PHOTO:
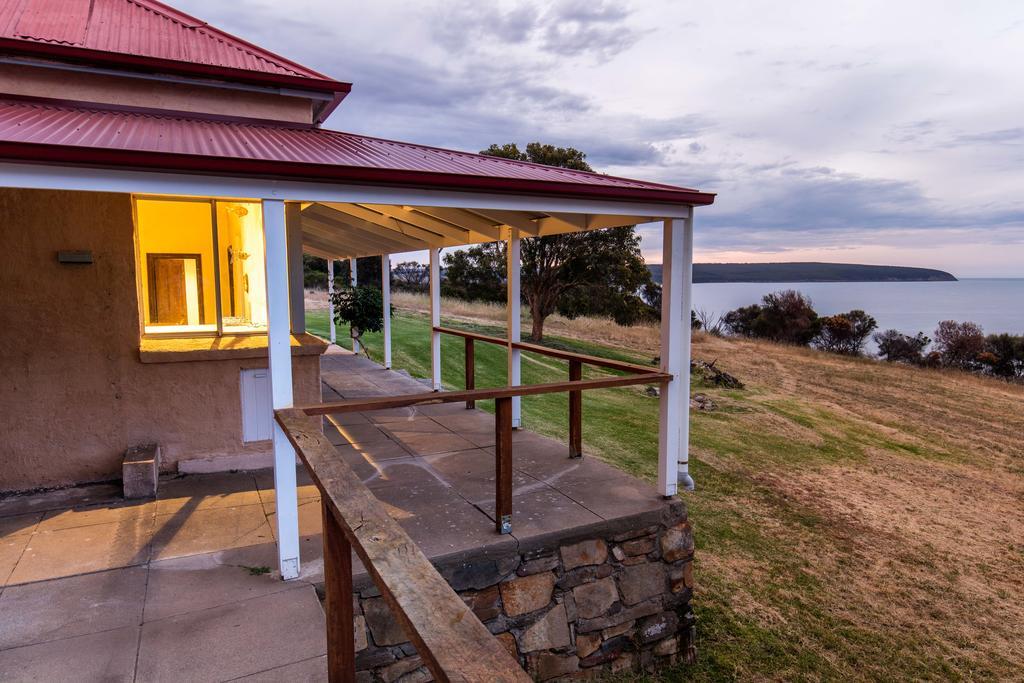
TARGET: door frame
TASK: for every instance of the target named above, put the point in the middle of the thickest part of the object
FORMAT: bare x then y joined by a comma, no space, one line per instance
151,259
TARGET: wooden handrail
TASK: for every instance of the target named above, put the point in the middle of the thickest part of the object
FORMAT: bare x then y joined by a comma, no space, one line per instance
622,366
355,405
472,335
453,643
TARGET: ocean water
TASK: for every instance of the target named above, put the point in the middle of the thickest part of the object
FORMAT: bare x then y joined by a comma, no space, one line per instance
910,307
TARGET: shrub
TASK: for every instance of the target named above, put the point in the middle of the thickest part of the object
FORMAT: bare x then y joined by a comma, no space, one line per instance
1003,355
786,317
362,307
845,333
896,347
959,344
741,321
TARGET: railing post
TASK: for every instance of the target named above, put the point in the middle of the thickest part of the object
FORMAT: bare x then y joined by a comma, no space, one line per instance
470,370
503,464
341,649
575,411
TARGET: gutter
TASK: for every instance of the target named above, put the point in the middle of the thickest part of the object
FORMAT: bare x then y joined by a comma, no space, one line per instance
326,173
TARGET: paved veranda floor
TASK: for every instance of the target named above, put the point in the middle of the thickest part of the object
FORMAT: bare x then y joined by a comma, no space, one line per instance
185,587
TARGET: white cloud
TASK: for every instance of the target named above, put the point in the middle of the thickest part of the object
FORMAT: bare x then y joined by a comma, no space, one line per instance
823,126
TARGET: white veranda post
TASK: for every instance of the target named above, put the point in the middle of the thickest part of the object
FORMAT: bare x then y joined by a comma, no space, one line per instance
676,303
385,291
280,355
435,318
353,281
514,355
330,299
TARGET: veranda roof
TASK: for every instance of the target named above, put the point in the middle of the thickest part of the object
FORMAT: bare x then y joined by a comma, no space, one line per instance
48,131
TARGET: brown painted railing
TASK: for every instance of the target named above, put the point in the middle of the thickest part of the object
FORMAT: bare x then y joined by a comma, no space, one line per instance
576,363
453,643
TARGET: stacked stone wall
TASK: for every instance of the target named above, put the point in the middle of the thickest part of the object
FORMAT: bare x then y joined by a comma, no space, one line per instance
575,607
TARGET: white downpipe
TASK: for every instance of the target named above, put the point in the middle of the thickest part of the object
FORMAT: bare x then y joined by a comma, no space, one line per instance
275,243
674,404
353,281
385,290
435,318
686,342
330,299
514,323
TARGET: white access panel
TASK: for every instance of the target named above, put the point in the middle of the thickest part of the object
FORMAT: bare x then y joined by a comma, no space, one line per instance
257,416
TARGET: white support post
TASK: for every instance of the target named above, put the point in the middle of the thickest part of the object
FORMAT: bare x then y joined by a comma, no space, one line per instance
676,302
435,318
385,291
330,299
514,324
353,281
280,356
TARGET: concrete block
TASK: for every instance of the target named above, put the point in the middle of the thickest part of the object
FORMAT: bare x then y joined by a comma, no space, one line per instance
141,470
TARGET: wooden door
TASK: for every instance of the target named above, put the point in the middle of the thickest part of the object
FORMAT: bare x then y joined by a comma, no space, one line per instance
168,293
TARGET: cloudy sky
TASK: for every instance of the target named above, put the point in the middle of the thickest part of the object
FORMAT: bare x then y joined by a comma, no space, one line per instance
875,132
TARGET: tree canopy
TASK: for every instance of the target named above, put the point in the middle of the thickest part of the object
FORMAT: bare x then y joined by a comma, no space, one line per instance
597,273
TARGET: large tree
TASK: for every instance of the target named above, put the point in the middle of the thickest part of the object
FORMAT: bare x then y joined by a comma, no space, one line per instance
584,273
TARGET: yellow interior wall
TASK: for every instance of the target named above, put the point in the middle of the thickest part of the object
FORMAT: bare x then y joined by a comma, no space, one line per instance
171,227
240,225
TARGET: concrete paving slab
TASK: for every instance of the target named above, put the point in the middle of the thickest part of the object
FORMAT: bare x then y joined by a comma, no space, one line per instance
452,528
307,490
19,525
426,443
190,532
543,511
311,670
107,656
354,434
75,606
99,514
419,424
234,640
95,494
196,582
11,549
195,492
616,497
310,517
79,550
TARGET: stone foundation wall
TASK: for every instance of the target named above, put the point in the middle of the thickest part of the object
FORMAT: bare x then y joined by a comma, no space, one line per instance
578,605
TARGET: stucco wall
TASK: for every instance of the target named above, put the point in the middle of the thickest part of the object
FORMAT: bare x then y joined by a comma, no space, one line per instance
73,391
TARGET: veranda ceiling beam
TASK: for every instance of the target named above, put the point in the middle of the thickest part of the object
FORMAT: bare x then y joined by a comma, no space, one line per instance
370,217
391,238
379,241
462,218
513,219
411,217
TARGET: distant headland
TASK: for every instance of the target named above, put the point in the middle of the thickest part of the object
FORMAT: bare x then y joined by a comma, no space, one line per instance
808,272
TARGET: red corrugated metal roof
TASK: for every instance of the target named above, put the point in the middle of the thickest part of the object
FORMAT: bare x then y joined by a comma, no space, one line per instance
47,132
144,33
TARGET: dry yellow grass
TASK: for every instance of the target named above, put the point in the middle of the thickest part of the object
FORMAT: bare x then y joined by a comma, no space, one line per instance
855,519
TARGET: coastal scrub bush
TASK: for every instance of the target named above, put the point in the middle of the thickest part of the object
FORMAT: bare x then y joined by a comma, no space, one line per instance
845,333
896,347
959,344
787,317
1003,356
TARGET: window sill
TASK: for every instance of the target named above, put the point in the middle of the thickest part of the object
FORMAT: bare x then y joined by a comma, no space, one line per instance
183,349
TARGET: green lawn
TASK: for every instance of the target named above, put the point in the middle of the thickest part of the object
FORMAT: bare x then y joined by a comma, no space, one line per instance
620,425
